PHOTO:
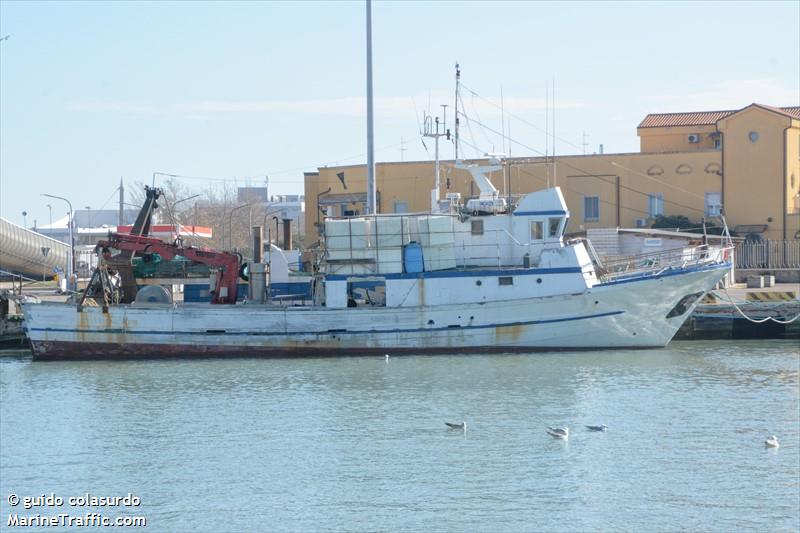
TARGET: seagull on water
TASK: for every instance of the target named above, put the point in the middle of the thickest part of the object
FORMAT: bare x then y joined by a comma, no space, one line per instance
772,442
462,426
601,427
559,433
387,357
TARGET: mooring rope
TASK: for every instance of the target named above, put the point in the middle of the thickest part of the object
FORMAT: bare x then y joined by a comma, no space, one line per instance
753,320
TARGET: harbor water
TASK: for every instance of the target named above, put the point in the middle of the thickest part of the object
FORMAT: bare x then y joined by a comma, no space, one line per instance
360,443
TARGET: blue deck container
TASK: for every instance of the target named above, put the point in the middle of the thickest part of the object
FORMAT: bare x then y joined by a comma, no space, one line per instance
413,262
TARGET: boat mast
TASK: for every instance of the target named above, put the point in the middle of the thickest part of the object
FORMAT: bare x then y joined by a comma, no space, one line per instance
455,137
372,207
553,101
431,131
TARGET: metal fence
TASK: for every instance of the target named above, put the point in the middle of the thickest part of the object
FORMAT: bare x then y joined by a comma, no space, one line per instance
768,255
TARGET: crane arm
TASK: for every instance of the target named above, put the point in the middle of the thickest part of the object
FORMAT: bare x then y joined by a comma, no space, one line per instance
227,263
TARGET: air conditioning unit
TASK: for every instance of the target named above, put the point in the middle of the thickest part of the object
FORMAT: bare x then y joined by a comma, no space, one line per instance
641,222
693,138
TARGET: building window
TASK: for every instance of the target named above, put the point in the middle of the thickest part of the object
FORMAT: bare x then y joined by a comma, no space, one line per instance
552,227
591,208
476,225
400,207
713,204
655,205
717,144
537,234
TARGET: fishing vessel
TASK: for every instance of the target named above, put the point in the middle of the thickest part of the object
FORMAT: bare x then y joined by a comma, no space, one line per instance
456,280
484,274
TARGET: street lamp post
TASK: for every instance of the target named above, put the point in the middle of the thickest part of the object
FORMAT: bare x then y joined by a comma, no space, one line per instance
50,207
230,223
25,219
177,232
71,261
269,230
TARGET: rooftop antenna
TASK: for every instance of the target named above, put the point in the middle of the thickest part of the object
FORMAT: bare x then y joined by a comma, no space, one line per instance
402,147
371,194
432,129
584,143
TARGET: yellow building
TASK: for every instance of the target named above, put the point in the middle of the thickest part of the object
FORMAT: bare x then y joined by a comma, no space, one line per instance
745,162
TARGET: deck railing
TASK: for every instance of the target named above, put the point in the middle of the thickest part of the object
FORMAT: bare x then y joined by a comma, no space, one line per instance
768,255
658,262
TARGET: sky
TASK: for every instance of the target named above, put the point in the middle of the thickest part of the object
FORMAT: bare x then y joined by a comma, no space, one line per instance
230,93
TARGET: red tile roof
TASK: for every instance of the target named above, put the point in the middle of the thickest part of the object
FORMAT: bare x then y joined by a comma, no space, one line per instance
705,118
793,112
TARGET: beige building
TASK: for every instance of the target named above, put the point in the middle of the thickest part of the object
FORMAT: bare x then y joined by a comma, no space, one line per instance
744,162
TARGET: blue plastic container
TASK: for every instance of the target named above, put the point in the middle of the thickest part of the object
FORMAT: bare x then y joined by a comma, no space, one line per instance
413,262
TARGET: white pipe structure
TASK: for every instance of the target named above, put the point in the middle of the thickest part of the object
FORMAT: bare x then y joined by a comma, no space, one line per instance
21,250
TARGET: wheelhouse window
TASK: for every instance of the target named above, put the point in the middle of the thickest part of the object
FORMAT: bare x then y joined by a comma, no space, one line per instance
537,232
505,280
591,208
552,227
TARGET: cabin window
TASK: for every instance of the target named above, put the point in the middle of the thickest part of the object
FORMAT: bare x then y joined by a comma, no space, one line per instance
506,280
552,227
655,204
537,234
477,226
591,208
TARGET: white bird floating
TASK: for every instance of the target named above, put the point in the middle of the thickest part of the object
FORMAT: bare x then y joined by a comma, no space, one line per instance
601,427
772,442
559,433
387,357
462,426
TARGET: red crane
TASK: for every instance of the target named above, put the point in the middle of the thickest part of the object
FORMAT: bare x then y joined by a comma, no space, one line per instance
227,263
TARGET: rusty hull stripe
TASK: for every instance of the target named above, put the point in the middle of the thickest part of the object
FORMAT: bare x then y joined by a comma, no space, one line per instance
59,351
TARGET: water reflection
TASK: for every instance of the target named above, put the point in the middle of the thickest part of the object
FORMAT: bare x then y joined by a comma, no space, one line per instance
355,443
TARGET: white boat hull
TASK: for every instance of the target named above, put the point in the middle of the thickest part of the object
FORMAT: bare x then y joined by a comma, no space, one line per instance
624,314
